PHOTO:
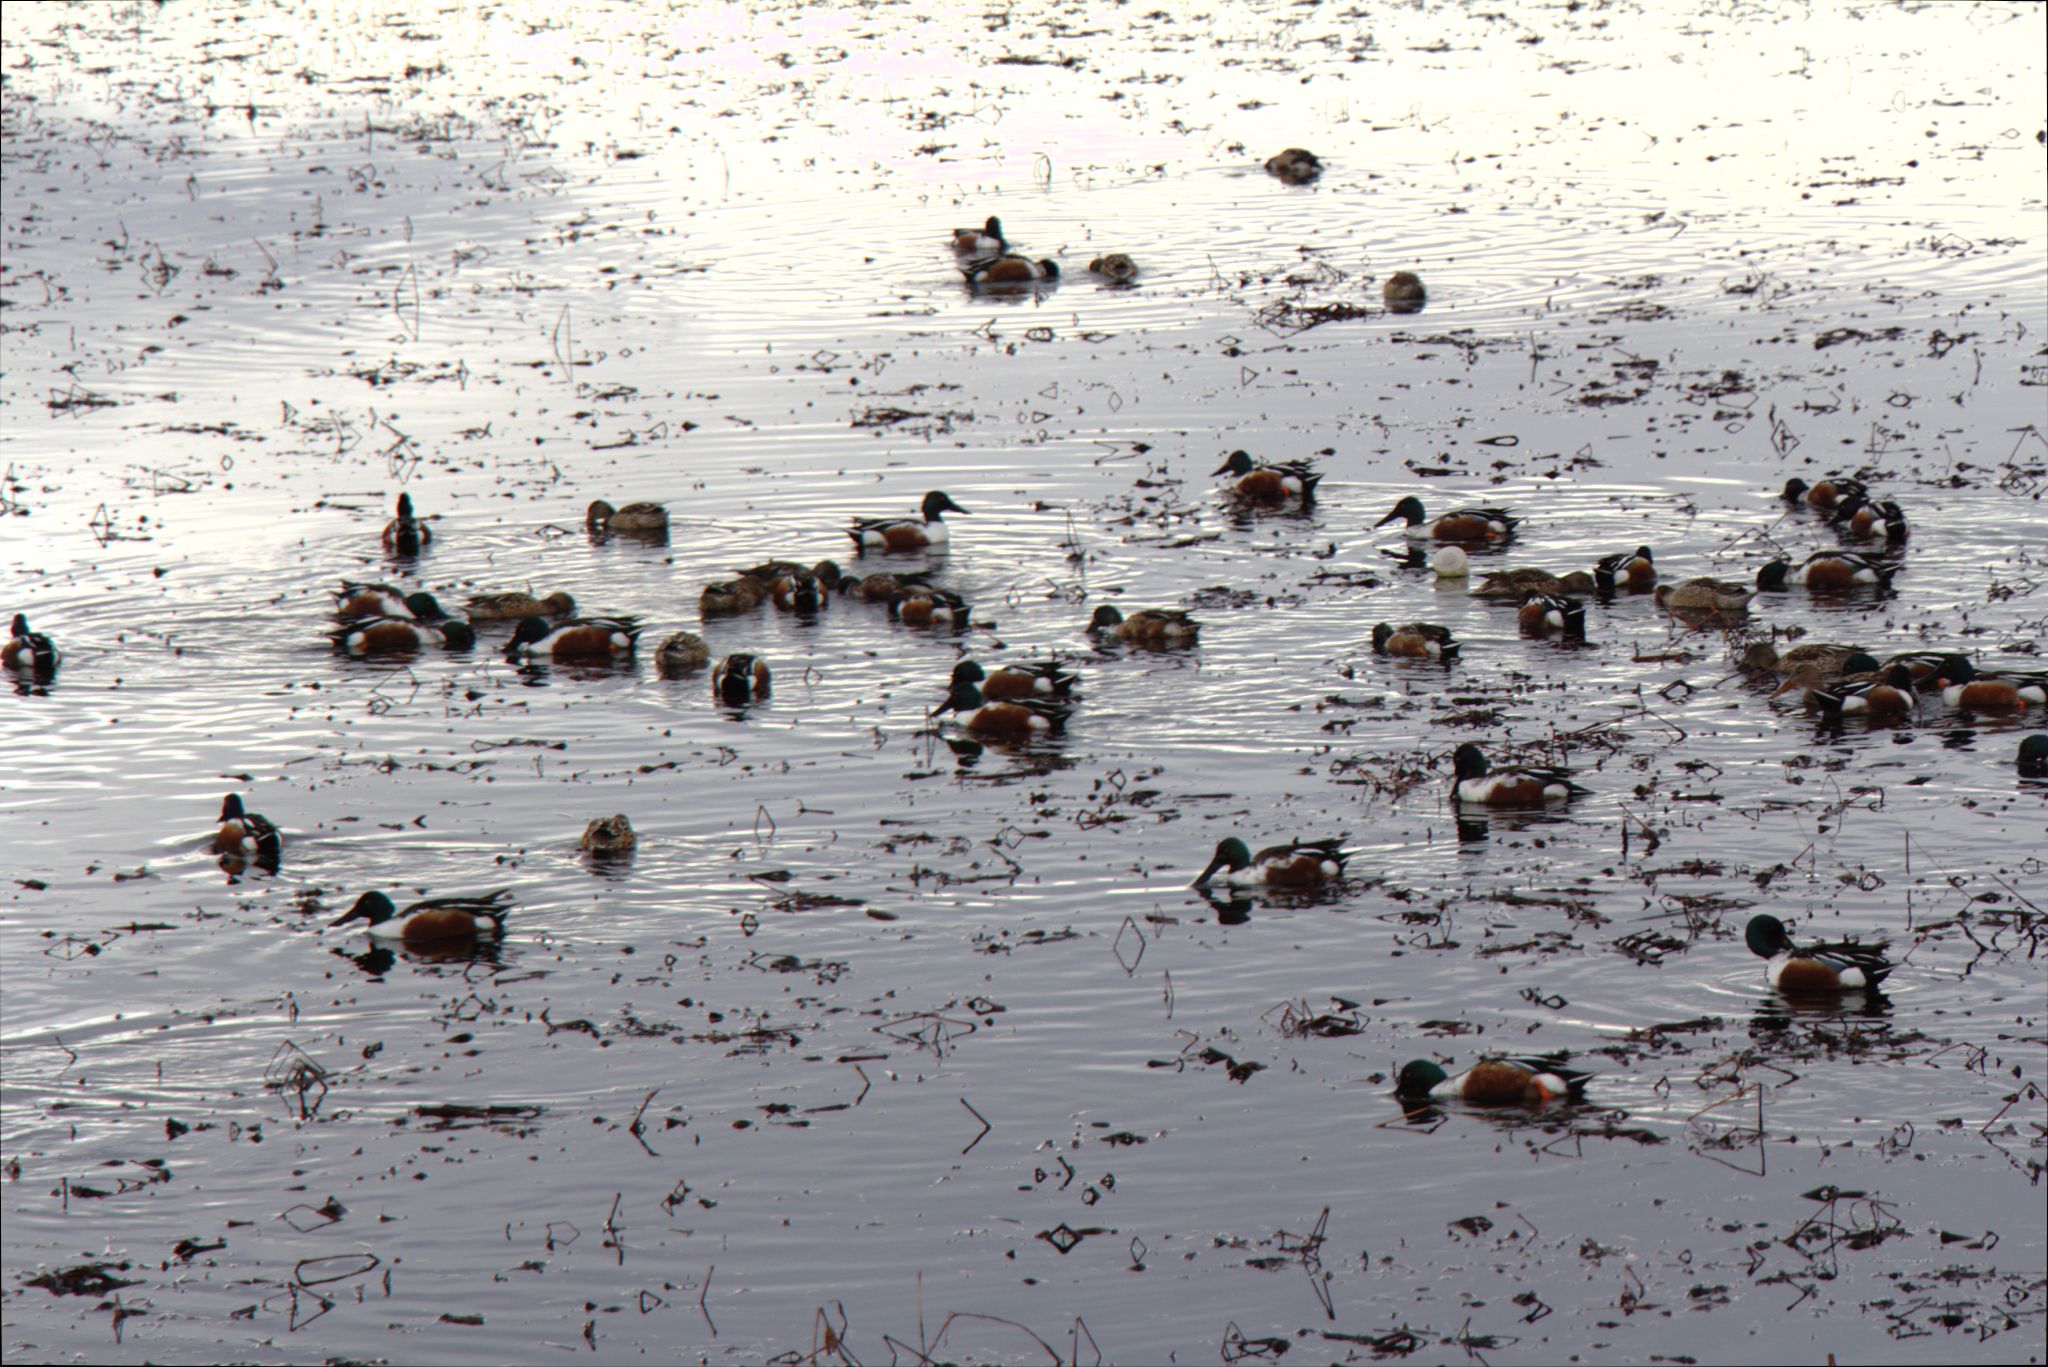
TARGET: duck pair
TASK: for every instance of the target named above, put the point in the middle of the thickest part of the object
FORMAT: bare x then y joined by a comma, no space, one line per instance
991,262
1015,701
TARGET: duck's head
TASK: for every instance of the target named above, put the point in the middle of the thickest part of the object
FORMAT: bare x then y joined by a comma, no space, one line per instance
405,505
1239,463
1772,576
529,630
597,514
1795,489
1408,510
1231,853
1106,618
1418,1079
1381,634
967,671
373,907
558,605
1468,762
936,502
2033,760
1767,936
460,635
231,808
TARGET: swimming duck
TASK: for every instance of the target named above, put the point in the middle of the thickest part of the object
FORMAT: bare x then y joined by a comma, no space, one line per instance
382,635
794,588
1824,495
1516,585
245,835
925,606
1297,864
1700,601
1857,516
405,534
1631,570
1417,640
987,240
1827,659
1847,967
608,837
1529,1080
1015,717
1271,481
1403,293
1964,687
1543,613
1460,524
2033,756
28,650
730,596
1889,694
635,519
579,638
682,653
1157,627
883,585
1009,270
1525,785
382,600
436,923
510,607
906,533
1037,679
1828,570
741,678
1295,165
1115,267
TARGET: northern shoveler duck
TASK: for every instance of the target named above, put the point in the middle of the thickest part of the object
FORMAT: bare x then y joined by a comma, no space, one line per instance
741,678
906,533
2033,758
730,596
1146,626
28,650
1931,669
579,638
796,588
1010,270
245,835
1634,570
987,240
682,653
1403,293
1515,586
1498,1081
1115,267
1017,717
1272,481
929,607
1824,657
608,837
510,607
1037,679
1828,570
1864,694
884,585
405,534
1857,516
383,635
436,923
1460,524
1417,640
1525,785
1845,967
635,519
1824,495
1701,601
1295,165
1450,562
2007,690
1543,613
382,600
1298,864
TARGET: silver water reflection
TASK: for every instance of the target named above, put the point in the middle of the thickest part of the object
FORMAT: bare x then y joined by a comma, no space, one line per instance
264,272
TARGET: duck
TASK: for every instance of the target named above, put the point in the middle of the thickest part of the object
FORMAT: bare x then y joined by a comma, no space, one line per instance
383,635
1018,717
682,653
1543,613
1825,658
382,600
805,590
511,606
1157,627
741,678
634,519
1847,967
245,835
1517,584
883,585
608,837
1295,165
28,650
731,596
1890,694
1477,782
987,240
1857,516
929,607
1632,570
1270,482
1403,293
906,533
436,922
1036,679
2033,756
1962,686
1297,864
578,638
1828,570
1417,640
1930,668
1497,1080
405,534
1460,524
1115,267
1824,495
1700,601
1010,270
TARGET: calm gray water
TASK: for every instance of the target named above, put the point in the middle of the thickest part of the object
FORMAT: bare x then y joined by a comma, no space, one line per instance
878,1047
